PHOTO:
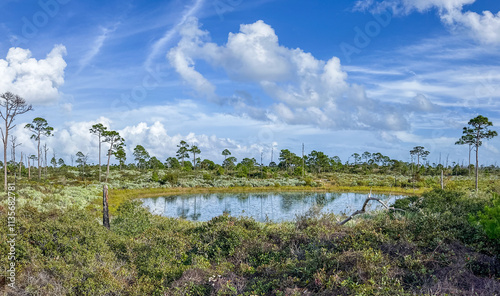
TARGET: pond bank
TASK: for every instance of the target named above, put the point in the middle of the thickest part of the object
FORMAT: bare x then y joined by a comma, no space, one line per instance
118,196
262,207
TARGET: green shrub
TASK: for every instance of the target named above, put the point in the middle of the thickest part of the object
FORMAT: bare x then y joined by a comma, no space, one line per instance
441,214
309,181
220,171
208,177
221,236
243,172
489,219
298,171
171,178
132,219
155,177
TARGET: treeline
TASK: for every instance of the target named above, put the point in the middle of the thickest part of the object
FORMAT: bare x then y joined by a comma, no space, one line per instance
188,156
288,163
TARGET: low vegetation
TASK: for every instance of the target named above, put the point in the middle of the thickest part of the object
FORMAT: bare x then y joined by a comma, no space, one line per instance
445,242
439,242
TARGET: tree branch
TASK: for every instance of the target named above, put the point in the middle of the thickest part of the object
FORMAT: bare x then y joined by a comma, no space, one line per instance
363,209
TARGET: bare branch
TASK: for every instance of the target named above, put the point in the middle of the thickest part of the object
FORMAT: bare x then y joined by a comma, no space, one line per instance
363,209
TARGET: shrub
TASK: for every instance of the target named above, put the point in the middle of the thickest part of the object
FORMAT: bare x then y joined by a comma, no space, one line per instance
155,177
171,178
132,219
489,219
208,177
220,171
298,171
309,182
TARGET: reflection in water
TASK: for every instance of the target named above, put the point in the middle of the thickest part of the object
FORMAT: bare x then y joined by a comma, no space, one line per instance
182,211
260,206
196,215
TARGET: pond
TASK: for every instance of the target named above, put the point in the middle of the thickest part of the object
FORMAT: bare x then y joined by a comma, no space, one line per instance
260,206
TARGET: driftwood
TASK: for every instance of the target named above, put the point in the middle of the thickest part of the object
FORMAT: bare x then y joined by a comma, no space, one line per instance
363,209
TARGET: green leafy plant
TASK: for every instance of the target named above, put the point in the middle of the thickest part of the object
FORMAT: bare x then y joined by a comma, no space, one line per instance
489,219
132,219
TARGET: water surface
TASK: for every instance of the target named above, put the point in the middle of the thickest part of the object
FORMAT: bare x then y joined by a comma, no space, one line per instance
260,206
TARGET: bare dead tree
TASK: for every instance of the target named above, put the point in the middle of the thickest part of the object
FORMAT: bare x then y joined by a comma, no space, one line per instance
45,150
12,105
20,164
29,167
363,209
13,149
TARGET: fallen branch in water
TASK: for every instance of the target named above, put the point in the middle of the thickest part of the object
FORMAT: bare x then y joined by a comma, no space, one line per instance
358,212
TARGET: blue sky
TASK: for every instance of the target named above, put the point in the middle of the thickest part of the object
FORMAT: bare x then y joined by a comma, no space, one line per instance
340,76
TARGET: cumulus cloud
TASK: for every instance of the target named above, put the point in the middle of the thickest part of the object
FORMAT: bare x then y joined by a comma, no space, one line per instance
159,143
67,141
421,103
74,136
37,81
304,89
484,27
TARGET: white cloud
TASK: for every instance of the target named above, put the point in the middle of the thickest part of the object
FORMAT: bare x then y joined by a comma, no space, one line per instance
484,27
74,136
421,103
67,107
305,90
162,42
185,67
408,6
158,142
37,81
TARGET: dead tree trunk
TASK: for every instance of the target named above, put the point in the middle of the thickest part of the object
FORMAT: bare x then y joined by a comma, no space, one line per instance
21,164
105,211
442,180
363,209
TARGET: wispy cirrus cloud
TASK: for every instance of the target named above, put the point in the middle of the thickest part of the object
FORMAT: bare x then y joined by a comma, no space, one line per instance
160,44
97,45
